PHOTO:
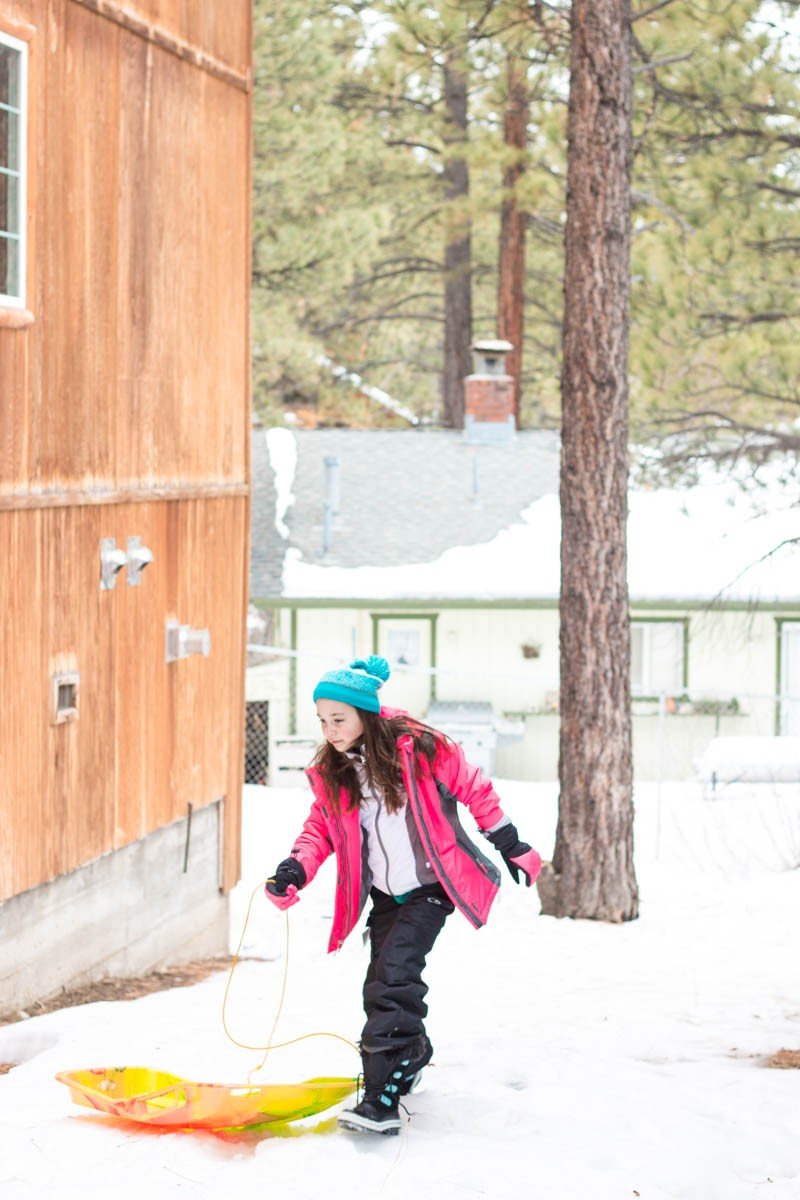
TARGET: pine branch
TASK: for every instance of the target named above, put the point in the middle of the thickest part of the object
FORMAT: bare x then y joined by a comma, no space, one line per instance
710,423
648,12
645,200
387,313
747,389
552,229
267,278
412,144
771,137
417,365
780,245
653,64
741,321
790,193
355,95
474,31
376,318
421,267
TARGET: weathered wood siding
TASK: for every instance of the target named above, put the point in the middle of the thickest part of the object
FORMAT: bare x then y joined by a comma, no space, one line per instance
124,410
133,370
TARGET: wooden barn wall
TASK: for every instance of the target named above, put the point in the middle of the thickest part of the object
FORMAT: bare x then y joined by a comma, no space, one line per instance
124,409
151,736
218,28
133,370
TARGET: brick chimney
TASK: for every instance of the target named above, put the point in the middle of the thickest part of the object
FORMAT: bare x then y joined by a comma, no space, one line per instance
489,395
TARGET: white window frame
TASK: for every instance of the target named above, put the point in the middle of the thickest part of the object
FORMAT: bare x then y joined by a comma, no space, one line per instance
787,708
18,301
648,687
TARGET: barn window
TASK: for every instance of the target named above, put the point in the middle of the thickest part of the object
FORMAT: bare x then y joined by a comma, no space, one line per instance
13,106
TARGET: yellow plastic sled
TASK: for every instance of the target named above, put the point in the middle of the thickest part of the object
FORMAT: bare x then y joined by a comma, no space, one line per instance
158,1098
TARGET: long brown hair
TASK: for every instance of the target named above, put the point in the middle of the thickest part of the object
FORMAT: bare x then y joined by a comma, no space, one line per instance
381,759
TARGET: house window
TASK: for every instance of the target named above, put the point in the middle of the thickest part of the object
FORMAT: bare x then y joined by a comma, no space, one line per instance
789,678
402,646
408,640
658,657
13,111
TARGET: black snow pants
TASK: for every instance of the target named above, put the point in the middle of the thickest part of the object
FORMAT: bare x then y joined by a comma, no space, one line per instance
401,936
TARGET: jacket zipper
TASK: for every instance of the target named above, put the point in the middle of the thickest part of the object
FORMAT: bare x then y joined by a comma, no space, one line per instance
345,863
464,905
380,840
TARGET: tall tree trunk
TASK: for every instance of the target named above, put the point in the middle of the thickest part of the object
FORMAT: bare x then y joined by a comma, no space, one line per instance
458,244
511,267
592,873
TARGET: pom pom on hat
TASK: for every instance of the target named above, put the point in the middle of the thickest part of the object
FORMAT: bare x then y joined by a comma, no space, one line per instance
357,684
374,665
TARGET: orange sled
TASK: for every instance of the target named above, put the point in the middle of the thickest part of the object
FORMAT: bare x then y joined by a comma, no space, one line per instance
158,1098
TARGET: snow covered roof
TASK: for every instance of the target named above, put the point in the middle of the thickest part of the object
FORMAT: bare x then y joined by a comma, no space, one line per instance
407,496
409,527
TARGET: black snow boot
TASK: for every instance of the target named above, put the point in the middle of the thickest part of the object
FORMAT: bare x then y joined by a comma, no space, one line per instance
374,1114
408,1072
377,1111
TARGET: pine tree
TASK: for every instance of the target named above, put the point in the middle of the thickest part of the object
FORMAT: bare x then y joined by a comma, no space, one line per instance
530,48
386,232
592,873
434,79
513,224
716,351
312,232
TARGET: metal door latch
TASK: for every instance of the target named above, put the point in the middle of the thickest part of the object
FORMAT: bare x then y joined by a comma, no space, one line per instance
139,557
181,641
112,561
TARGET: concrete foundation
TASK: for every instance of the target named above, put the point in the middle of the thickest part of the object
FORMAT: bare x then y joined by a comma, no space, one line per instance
130,911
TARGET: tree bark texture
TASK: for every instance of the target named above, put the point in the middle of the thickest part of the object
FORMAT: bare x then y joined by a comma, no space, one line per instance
511,267
458,245
592,873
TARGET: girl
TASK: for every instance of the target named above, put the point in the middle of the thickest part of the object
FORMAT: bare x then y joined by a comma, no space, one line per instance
385,802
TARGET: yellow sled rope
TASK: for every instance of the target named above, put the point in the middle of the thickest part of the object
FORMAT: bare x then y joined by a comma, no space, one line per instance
159,1098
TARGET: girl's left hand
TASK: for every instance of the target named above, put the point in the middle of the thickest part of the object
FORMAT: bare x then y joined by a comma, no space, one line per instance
518,856
529,863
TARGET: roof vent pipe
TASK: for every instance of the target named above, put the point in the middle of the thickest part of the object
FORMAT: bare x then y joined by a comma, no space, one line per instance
330,520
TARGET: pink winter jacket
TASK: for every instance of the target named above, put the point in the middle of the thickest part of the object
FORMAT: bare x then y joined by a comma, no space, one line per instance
470,879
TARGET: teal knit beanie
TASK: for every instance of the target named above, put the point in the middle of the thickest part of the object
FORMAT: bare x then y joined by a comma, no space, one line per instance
357,684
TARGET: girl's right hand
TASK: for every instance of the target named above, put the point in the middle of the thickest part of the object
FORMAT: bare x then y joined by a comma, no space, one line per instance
286,900
284,885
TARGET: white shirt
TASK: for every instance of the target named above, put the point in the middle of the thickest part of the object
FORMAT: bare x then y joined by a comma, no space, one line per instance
390,852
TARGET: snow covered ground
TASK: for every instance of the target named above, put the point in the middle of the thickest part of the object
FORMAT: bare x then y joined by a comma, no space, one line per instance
574,1060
